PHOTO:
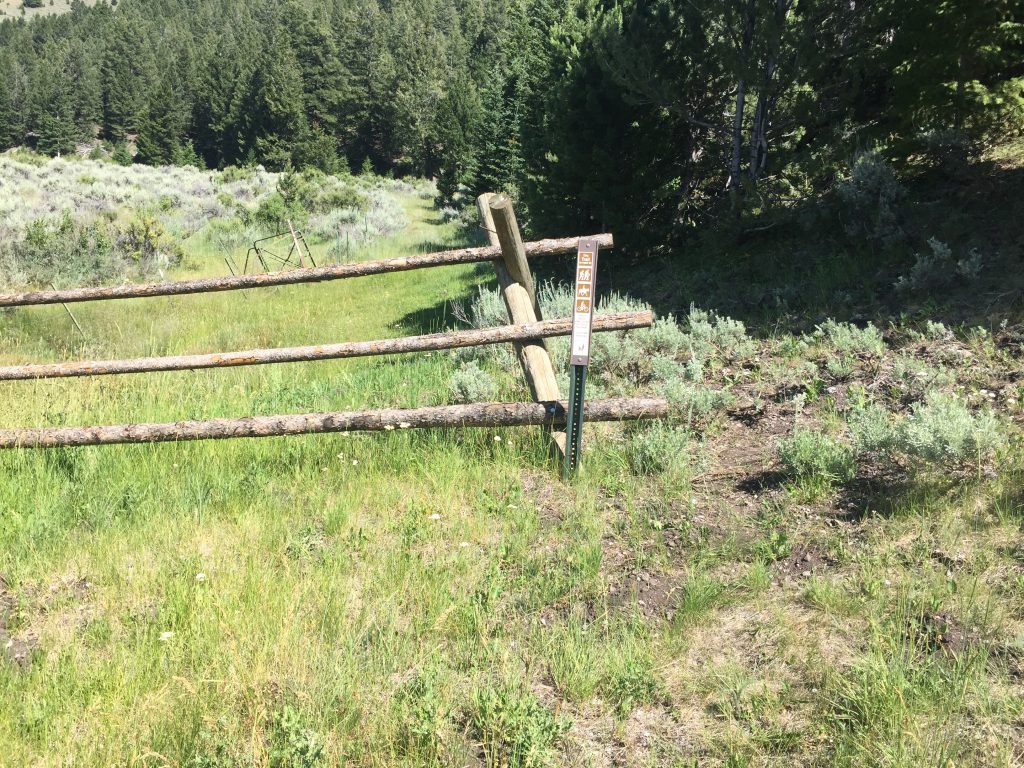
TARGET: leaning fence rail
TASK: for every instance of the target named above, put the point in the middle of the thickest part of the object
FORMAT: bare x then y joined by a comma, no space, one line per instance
618,321
289,277
527,332
471,415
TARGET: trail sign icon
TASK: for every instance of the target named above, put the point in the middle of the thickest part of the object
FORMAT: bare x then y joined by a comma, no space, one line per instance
579,354
586,272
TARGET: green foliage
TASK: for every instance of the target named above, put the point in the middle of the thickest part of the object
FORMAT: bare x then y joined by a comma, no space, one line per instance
710,336
122,155
873,430
514,729
871,198
660,449
291,743
424,714
630,115
848,338
814,458
941,430
213,750
938,268
63,251
471,384
693,403
631,680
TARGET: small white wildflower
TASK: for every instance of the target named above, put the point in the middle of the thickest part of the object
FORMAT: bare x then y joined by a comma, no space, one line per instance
389,427
463,544
404,425
497,438
165,636
200,577
355,462
435,516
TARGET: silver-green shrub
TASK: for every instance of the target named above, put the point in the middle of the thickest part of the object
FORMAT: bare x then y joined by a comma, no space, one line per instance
814,456
871,197
873,430
659,448
693,403
182,200
939,268
709,336
848,338
472,384
941,430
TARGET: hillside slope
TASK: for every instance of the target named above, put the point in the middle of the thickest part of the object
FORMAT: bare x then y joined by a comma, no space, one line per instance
816,561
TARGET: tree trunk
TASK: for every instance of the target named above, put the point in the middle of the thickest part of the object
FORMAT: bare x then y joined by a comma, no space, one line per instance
735,164
766,94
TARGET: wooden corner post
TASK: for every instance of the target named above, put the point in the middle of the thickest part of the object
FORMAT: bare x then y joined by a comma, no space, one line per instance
520,294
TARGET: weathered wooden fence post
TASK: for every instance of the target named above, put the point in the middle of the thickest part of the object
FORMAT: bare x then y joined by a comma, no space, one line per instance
520,294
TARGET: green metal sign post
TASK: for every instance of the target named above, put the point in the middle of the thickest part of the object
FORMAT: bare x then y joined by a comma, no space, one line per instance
579,351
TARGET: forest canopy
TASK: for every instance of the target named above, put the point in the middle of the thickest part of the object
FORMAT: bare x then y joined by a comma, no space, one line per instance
658,116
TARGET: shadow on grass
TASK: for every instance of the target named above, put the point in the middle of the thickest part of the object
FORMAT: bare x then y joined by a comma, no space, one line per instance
892,490
441,314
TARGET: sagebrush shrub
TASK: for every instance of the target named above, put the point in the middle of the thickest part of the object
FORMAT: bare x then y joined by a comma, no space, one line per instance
810,455
694,403
485,310
848,338
873,430
941,430
939,268
937,331
710,336
871,197
183,201
659,448
63,251
472,384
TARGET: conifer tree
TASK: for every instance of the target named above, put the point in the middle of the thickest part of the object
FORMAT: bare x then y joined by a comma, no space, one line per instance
272,120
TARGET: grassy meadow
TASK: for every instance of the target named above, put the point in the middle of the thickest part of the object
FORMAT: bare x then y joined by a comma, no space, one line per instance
817,561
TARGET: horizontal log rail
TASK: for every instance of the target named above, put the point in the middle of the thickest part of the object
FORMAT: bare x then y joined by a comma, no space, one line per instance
292,276
551,414
427,342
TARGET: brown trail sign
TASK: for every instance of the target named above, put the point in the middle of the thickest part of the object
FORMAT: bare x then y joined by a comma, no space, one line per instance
527,332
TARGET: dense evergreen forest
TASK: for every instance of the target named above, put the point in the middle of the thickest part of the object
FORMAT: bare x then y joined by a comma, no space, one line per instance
649,116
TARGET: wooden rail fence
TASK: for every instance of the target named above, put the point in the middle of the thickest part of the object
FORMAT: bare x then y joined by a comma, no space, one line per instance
527,331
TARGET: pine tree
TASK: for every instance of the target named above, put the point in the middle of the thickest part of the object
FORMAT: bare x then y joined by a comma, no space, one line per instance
162,124
53,115
8,125
272,120
127,73
87,90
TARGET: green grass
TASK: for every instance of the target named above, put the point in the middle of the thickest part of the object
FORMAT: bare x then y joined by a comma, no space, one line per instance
440,598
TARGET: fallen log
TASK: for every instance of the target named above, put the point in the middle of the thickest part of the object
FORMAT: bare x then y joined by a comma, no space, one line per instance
551,414
428,342
289,277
